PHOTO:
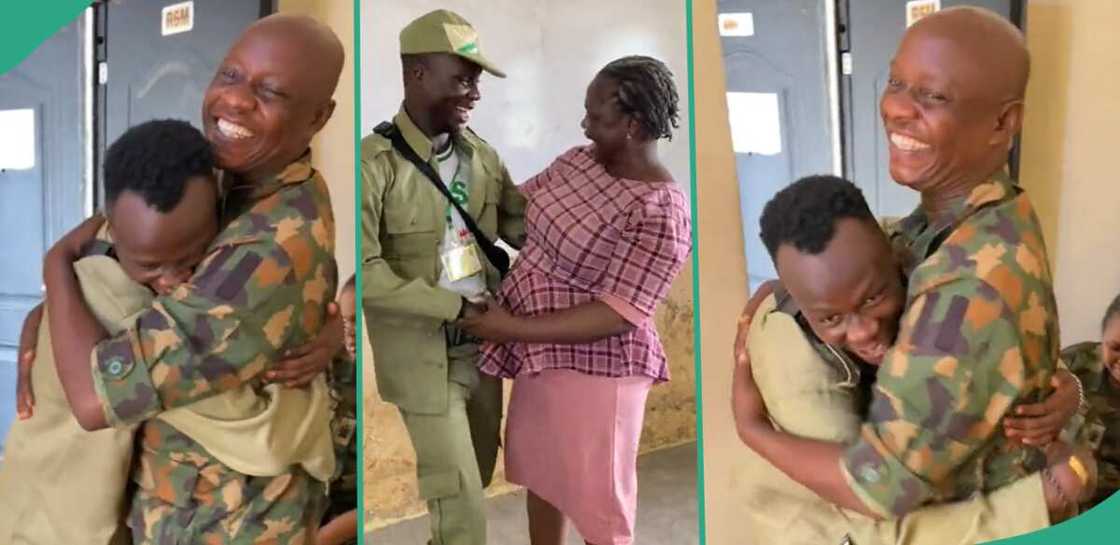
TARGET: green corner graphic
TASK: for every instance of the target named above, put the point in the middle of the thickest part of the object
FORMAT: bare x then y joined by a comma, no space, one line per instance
25,25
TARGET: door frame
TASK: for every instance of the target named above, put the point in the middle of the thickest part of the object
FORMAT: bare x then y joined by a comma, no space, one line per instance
838,11
95,58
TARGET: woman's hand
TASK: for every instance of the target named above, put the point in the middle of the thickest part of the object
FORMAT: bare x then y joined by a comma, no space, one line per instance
493,323
303,363
1040,423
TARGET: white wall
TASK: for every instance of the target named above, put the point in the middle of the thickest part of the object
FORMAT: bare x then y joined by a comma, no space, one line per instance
550,51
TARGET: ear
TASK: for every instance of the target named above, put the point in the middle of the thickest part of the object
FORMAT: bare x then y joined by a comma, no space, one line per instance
1008,123
322,115
634,130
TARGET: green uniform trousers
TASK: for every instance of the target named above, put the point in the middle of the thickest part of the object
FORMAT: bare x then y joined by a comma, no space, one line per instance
456,450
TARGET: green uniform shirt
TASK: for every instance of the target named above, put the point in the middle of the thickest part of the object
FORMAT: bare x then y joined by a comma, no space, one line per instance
979,335
403,223
263,288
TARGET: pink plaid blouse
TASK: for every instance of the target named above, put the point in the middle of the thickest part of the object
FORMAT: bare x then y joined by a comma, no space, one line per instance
592,236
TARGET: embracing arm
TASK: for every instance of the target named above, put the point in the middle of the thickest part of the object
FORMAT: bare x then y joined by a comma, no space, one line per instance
815,464
68,312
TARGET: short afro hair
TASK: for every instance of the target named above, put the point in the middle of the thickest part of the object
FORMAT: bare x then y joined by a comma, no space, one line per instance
154,160
647,92
805,213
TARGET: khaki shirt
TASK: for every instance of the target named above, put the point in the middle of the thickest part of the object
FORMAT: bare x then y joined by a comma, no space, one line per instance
816,391
403,222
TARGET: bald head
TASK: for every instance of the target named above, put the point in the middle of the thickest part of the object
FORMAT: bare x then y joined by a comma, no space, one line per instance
272,94
995,47
323,54
954,102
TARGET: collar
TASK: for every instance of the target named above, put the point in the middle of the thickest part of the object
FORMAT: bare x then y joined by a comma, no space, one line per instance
297,171
420,143
926,236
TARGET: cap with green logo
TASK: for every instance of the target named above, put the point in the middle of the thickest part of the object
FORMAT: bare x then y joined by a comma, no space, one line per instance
443,31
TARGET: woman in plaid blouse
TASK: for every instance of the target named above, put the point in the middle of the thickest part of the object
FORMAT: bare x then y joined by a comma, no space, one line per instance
608,230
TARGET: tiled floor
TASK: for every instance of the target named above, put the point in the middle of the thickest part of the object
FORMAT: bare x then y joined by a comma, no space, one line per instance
667,510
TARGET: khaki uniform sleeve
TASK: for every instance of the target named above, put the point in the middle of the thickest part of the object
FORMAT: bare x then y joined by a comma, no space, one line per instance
383,291
205,338
1012,510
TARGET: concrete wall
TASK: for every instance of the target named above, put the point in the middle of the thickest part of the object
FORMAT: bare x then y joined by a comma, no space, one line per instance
1066,167
723,281
550,51
1068,164
332,150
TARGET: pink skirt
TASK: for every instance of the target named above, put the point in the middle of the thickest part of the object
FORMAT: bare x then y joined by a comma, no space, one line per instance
572,439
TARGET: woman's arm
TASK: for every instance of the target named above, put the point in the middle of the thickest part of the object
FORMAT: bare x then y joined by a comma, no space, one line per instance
580,324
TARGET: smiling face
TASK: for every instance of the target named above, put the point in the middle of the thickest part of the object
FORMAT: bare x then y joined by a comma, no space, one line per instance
270,95
851,293
949,110
445,87
604,122
161,250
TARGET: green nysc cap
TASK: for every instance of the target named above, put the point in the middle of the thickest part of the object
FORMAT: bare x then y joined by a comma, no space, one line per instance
443,31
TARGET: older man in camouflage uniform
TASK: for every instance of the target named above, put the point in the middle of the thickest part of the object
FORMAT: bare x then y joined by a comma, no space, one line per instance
979,335
263,289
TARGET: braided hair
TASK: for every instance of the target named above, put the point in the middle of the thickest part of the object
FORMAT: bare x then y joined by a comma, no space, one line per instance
646,91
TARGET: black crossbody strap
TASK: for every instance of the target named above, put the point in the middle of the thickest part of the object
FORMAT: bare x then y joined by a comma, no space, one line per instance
495,255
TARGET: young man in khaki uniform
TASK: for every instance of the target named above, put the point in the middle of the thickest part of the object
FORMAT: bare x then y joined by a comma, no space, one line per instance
422,269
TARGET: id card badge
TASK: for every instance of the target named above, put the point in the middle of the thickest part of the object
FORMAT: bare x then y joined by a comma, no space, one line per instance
461,262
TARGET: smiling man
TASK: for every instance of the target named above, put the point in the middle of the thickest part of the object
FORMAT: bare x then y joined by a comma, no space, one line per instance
193,363
814,346
422,268
979,333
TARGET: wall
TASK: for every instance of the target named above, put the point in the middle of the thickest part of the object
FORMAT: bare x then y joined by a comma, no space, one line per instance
1067,164
550,51
332,150
723,280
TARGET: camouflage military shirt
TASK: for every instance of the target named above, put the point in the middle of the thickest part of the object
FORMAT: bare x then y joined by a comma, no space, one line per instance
978,336
1103,396
344,486
262,288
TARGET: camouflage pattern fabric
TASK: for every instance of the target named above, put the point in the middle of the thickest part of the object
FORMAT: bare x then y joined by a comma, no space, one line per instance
1102,394
979,336
263,288
184,496
344,393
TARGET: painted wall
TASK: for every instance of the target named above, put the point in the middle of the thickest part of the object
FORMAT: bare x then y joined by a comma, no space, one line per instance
550,51
723,281
332,150
1068,164
1065,167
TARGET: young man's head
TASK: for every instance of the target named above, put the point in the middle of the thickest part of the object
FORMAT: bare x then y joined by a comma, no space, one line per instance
836,263
161,201
348,308
271,94
441,65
